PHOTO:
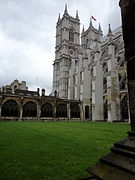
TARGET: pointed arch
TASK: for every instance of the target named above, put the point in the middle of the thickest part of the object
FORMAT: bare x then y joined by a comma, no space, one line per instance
61,110
30,109
47,110
74,110
124,108
71,34
10,109
87,112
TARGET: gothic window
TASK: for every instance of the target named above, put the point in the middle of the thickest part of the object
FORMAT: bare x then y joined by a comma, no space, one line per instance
122,81
74,110
124,108
105,111
81,79
29,109
105,67
71,35
61,111
74,80
10,109
105,85
87,41
46,110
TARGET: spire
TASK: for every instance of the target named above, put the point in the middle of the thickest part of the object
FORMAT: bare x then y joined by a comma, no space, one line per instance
65,12
90,22
83,29
59,17
109,31
77,17
99,29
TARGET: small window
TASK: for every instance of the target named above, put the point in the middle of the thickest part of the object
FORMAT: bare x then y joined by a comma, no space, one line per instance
71,35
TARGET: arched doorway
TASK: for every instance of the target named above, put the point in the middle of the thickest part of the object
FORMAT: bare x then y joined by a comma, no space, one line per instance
124,108
47,110
30,109
10,109
87,112
61,110
74,110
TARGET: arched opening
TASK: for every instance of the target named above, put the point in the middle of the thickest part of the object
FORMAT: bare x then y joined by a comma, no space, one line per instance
29,109
47,110
71,35
105,111
105,85
124,108
10,109
74,110
87,112
61,110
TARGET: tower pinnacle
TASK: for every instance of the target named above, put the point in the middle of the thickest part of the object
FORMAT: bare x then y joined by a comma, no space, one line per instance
109,31
59,17
77,17
83,29
65,12
90,22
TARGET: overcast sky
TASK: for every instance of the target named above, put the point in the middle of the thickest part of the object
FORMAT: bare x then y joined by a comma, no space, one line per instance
27,35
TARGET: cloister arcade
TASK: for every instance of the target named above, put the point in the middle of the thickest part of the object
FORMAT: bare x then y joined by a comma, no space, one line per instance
50,108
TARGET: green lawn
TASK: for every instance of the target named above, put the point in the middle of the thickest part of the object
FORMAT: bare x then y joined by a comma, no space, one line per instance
54,150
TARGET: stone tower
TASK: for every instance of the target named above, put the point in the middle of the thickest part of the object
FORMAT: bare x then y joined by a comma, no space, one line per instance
67,46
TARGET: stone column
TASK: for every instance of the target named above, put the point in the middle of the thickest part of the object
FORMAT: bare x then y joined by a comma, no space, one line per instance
68,110
128,14
54,113
21,109
81,112
38,111
21,112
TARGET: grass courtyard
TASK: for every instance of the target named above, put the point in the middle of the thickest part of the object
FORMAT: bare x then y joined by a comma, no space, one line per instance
54,150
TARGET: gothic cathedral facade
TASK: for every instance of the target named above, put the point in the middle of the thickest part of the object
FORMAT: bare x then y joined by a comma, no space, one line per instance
92,71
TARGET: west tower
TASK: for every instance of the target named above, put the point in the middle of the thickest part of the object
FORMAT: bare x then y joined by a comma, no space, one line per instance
67,48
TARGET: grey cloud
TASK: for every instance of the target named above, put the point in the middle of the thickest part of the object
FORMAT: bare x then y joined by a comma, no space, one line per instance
27,35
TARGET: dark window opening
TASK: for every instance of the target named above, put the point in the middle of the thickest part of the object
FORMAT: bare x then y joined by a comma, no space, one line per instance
30,109
10,109
61,110
71,35
46,110
124,108
74,110
87,112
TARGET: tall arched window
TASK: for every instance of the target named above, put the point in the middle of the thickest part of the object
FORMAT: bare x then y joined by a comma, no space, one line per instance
105,111
87,112
71,35
10,109
74,110
61,110
30,109
46,110
124,108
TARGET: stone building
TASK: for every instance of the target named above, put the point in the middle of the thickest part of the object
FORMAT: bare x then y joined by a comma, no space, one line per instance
92,71
25,105
15,85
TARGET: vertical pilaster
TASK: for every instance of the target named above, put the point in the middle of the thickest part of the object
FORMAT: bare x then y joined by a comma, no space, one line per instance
21,109
38,111
68,110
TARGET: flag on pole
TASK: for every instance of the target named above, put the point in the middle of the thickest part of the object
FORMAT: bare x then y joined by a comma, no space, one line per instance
93,18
